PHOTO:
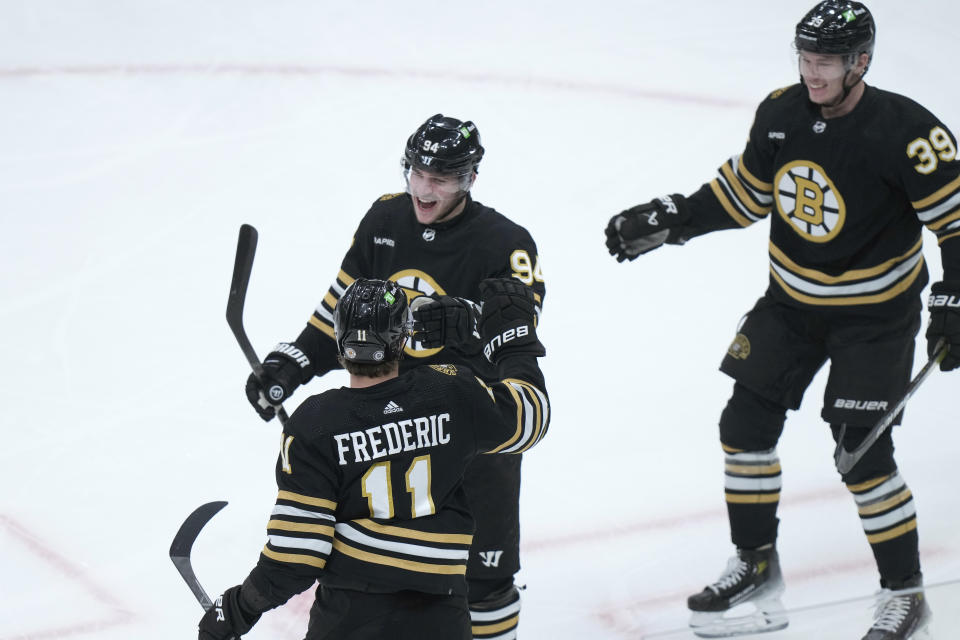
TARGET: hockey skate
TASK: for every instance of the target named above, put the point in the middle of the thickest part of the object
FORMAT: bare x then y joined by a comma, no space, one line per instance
902,614
751,578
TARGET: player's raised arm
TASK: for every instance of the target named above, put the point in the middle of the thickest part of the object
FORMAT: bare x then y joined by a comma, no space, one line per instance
509,336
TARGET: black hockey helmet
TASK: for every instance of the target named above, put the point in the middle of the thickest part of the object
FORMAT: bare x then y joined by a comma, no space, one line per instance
444,145
837,27
371,322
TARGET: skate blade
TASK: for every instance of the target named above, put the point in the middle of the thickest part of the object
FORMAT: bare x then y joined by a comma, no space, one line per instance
771,617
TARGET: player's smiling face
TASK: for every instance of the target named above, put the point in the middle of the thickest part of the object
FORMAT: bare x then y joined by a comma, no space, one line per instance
824,75
436,196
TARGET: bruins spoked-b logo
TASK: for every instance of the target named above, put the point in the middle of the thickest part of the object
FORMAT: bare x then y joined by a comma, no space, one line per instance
808,200
417,284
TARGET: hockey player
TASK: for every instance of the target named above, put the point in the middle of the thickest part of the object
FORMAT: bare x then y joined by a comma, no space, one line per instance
851,173
370,477
438,244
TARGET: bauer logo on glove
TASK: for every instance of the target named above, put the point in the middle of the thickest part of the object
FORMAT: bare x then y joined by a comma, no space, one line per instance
500,340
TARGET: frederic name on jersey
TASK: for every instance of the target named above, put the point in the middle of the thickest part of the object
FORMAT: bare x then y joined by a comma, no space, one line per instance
393,437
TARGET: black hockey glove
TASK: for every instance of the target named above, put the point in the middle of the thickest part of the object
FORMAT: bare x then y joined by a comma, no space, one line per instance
508,321
645,227
448,321
944,306
284,369
229,618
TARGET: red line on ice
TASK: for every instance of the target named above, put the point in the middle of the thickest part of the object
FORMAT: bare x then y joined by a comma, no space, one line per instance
119,614
642,526
532,82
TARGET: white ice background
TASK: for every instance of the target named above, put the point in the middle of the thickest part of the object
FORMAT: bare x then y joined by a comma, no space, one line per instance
135,138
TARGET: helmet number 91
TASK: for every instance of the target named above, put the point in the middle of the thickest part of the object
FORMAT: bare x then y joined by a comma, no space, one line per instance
525,270
923,150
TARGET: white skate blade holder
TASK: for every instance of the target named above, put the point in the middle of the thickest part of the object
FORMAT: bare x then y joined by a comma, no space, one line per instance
748,618
838,619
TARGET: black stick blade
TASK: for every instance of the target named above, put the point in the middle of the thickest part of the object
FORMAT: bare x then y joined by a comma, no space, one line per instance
242,266
183,543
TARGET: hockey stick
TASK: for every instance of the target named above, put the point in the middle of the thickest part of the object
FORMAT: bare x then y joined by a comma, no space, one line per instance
845,460
183,542
242,266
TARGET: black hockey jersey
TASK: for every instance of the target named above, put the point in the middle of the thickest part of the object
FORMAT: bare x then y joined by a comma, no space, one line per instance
448,258
849,196
370,479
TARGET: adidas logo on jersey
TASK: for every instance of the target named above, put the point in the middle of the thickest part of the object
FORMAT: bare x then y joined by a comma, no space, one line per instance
392,407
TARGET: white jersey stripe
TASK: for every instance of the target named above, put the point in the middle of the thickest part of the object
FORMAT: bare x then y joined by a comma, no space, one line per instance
489,616
860,288
896,516
932,214
310,544
348,532
737,483
284,510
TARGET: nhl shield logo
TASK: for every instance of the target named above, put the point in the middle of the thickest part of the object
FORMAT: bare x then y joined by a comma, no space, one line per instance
739,348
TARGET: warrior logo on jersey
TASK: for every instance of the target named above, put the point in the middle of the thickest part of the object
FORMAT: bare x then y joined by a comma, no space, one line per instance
416,283
808,200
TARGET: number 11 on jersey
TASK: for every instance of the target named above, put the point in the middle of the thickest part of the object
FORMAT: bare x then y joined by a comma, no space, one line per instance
377,488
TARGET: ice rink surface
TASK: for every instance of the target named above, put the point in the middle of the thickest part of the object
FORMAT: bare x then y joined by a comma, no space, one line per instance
136,137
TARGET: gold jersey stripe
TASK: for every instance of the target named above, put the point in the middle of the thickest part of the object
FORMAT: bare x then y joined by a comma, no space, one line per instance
538,415
949,235
323,326
938,195
753,471
756,183
330,299
727,205
426,536
896,532
295,558
741,193
730,449
345,278
942,222
519,431
408,565
869,484
303,527
853,274
898,499
753,498
509,623
889,294
315,502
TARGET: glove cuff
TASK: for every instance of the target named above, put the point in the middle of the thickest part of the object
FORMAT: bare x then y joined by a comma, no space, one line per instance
517,338
291,354
676,205
944,295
